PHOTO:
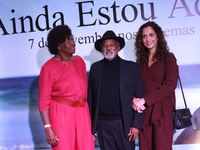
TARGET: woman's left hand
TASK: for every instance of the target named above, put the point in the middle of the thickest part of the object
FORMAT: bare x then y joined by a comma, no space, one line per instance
138,104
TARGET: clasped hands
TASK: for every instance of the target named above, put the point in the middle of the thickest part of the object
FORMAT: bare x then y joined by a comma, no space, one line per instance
138,104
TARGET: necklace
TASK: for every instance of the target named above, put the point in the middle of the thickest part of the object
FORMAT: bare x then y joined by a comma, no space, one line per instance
65,61
151,61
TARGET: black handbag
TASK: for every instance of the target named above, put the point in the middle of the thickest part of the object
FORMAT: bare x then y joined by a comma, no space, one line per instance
182,117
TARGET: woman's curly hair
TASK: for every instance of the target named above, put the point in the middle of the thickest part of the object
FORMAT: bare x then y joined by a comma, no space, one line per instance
57,36
142,52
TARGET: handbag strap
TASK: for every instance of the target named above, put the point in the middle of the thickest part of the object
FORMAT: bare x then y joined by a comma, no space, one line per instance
179,80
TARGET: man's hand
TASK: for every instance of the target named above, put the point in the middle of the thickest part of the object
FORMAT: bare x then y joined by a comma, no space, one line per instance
133,134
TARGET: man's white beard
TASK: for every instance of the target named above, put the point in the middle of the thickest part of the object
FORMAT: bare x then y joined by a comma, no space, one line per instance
109,56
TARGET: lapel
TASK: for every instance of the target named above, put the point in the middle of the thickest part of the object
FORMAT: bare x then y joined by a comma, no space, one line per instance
121,72
121,77
100,71
151,73
99,75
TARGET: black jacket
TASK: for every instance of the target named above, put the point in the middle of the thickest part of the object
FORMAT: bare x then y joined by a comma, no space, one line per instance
130,86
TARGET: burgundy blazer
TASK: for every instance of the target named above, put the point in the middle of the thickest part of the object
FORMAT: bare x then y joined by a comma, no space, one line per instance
159,94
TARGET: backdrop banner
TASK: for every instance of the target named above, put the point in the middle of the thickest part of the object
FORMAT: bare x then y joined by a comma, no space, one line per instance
23,50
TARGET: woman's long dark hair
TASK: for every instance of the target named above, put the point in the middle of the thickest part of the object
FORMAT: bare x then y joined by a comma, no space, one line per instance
142,52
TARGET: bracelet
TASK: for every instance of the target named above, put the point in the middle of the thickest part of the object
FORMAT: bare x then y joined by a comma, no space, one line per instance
47,125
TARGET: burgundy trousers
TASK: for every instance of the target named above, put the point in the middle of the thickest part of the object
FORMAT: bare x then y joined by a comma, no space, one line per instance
159,136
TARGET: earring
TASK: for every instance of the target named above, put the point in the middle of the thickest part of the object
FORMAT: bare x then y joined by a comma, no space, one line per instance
58,47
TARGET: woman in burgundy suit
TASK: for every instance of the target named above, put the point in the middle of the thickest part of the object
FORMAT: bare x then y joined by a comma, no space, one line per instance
159,72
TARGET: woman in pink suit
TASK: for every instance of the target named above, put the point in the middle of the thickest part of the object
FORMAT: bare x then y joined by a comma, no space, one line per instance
159,72
63,93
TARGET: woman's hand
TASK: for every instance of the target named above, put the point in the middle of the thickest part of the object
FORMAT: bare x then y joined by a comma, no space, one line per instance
138,104
51,137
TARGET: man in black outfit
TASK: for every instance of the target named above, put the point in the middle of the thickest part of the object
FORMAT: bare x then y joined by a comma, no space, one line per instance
113,83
